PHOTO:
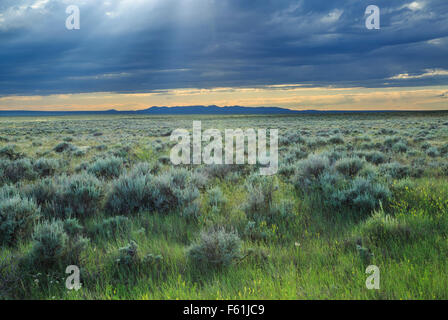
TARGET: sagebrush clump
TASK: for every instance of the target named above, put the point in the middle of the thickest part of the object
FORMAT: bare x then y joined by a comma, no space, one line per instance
380,229
68,196
215,248
17,217
130,194
107,168
57,243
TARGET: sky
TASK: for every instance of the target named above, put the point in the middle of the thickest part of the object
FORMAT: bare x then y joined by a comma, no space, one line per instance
299,54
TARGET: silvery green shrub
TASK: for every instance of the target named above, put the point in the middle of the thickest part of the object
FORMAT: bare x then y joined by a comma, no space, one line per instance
349,167
260,190
400,147
72,227
50,243
10,152
17,217
63,146
46,167
316,142
112,226
107,168
199,179
165,193
16,170
294,154
333,155
375,157
367,146
291,138
128,255
173,190
390,141
8,191
144,168
310,170
287,170
216,197
337,139
131,194
278,213
363,195
68,196
444,149
425,146
395,170
192,210
221,171
329,182
433,152
215,248
383,229
53,245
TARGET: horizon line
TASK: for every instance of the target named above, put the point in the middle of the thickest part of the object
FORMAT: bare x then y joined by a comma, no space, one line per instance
288,110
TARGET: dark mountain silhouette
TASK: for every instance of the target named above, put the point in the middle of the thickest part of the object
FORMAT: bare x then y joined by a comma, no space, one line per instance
216,110
207,110
161,111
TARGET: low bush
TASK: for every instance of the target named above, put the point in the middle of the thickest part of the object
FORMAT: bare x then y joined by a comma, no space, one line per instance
333,155
215,248
144,168
287,170
10,152
171,191
310,170
68,196
216,197
50,243
433,152
130,194
294,154
45,167
363,196
260,195
400,147
107,168
217,171
72,227
63,146
53,246
337,139
384,229
108,228
395,170
349,167
128,255
16,170
390,141
444,149
291,138
375,157
199,179
17,217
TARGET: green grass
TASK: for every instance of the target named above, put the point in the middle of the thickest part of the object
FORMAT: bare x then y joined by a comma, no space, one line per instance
310,254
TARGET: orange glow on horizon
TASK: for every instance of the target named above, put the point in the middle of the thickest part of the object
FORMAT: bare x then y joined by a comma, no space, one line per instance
295,97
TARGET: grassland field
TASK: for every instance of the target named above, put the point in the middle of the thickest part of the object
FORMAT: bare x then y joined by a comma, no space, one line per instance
99,192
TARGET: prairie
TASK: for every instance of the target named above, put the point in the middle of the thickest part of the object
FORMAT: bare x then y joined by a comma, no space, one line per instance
100,192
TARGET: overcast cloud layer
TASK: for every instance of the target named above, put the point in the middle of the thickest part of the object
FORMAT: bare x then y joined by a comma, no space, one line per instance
128,46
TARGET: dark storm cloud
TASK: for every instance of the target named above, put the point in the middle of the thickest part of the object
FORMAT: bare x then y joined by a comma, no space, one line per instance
140,46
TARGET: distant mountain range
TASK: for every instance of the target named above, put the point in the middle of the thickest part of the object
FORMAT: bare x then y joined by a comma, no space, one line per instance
207,110
162,111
